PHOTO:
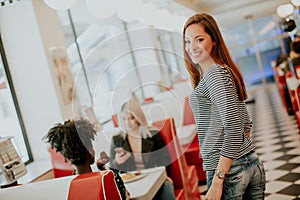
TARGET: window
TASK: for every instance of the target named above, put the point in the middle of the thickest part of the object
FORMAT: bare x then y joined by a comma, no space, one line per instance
11,123
254,46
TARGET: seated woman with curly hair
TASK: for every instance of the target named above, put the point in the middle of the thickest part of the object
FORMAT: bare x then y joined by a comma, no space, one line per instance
73,139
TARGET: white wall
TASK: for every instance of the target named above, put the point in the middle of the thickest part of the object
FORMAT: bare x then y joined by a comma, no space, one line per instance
32,68
52,35
147,62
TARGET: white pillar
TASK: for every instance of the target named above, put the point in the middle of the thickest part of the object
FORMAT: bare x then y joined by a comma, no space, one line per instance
29,29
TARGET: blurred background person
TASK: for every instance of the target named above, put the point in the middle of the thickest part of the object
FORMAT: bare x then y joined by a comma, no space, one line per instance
139,146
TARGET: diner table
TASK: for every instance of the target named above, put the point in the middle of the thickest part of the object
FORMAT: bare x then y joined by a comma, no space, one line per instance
57,188
146,187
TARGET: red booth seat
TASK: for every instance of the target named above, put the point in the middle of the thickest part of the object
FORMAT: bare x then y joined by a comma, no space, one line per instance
297,114
192,150
184,176
148,100
294,100
297,71
193,157
188,116
282,88
94,186
61,166
114,119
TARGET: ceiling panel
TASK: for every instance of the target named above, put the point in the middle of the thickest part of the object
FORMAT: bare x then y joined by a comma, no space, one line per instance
229,13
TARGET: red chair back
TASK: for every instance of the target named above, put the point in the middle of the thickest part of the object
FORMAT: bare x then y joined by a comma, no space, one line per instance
114,119
178,167
294,100
183,176
148,100
94,186
61,166
297,71
188,115
297,94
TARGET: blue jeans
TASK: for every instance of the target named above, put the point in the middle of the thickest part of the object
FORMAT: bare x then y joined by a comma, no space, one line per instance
245,180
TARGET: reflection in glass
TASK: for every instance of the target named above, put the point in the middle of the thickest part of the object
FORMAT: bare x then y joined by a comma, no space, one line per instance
10,120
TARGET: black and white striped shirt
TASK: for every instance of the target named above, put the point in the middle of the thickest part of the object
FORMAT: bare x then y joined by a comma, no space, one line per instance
222,120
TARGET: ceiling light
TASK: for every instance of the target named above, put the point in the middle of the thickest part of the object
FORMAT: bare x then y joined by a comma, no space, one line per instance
296,2
285,10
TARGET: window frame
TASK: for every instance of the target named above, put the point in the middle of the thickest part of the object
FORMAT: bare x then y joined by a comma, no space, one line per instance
15,101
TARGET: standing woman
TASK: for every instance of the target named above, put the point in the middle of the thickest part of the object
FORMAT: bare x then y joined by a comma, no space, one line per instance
232,167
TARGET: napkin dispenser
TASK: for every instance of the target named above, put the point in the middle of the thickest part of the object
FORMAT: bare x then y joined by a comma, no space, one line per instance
11,165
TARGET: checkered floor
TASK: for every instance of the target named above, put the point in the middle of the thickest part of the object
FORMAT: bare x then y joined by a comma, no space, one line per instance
277,140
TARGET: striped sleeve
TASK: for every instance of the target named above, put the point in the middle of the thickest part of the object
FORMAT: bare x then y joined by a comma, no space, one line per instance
221,92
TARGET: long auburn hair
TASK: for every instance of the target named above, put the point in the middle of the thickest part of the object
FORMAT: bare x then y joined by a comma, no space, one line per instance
219,53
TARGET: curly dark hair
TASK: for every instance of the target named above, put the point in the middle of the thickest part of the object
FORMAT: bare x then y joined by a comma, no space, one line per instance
73,139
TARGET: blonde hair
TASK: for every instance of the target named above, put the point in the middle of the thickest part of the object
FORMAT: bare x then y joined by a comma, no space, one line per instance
134,108
220,53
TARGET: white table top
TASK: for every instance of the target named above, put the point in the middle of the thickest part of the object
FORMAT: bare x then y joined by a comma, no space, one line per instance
47,190
58,188
147,187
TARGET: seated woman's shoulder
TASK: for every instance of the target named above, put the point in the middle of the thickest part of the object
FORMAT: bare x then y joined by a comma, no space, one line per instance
155,135
119,135
153,131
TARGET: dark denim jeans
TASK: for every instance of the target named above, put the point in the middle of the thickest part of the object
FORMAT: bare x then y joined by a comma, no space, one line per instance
245,180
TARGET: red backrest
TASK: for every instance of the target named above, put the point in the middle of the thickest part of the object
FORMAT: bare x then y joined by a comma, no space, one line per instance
294,100
61,167
279,78
114,119
288,74
177,170
188,115
94,186
297,95
282,80
297,71
148,100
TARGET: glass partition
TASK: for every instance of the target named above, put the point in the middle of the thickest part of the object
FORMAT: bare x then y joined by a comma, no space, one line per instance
11,123
117,57
254,45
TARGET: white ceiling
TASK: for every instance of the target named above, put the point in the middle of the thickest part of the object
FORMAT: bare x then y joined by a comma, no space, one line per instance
228,13
231,12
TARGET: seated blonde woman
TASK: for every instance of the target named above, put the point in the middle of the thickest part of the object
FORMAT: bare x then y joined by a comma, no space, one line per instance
139,146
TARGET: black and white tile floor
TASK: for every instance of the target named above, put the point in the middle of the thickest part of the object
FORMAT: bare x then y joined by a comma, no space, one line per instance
277,140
